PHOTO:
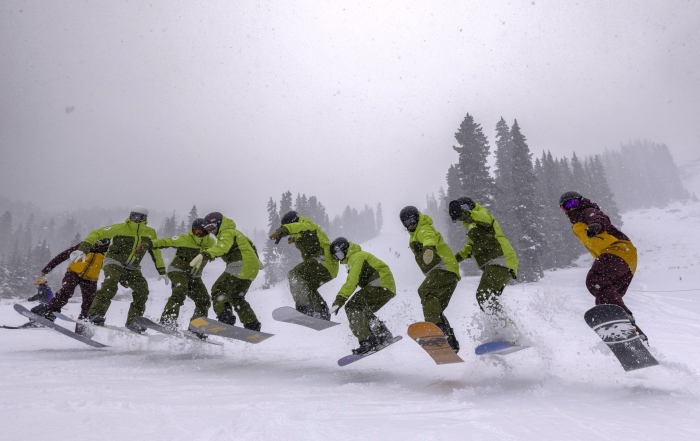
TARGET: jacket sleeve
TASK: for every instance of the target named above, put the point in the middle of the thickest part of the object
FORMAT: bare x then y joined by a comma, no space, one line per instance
466,252
428,237
593,216
59,259
355,268
223,245
99,234
166,242
295,228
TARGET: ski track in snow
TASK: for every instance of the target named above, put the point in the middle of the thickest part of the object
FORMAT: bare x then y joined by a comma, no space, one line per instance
567,386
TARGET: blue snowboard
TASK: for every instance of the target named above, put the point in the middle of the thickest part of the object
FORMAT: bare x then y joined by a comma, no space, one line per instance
498,348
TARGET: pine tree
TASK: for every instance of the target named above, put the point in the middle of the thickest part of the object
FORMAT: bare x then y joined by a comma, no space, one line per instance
380,218
601,193
270,255
472,166
579,182
192,216
5,233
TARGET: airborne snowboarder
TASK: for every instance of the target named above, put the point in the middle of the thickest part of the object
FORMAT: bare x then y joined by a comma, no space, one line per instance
242,267
187,281
438,264
318,266
121,265
83,274
491,251
615,257
377,287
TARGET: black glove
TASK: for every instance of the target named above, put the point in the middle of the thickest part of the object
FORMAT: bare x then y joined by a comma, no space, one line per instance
459,257
593,230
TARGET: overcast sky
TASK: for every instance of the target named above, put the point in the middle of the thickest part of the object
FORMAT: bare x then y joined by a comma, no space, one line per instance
224,104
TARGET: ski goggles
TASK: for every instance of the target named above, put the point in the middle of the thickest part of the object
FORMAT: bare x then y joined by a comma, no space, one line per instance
138,217
339,254
570,204
409,222
200,232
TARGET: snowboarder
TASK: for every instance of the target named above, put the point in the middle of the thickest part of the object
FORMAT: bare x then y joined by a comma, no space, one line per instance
186,280
615,257
492,252
242,266
43,292
318,266
438,264
121,265
377,287
83,274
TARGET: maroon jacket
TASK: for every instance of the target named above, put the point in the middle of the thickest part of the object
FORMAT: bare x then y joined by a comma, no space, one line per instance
590,213
63,256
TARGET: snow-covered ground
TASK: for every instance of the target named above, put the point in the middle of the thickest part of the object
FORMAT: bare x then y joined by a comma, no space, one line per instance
568,386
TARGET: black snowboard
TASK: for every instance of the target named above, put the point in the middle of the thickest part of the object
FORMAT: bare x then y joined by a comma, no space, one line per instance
613,326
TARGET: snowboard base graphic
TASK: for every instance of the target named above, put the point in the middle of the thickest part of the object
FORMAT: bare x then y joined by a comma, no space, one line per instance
431,338
498,348
214,327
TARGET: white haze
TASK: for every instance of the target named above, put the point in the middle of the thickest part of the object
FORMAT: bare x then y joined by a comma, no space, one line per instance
224,104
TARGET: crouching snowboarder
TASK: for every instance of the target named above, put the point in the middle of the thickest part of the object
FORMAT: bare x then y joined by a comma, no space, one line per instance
83,274
377,287
318,266
438,264
187,281
492,252
615,257
242,267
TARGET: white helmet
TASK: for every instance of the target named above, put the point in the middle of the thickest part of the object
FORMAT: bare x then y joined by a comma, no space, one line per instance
140,209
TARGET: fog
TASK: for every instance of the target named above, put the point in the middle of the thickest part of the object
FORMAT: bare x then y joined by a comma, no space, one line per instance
225,104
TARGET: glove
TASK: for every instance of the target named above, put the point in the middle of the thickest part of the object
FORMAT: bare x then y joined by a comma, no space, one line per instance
77,256
165,278
291,239
459,257
43,274
339,302
261,265
276,234
592,230
197,261
428,255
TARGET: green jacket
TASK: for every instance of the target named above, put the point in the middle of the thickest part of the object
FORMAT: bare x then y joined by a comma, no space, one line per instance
236,250
312,242
188,247
125,238
364,269
425,235
485,240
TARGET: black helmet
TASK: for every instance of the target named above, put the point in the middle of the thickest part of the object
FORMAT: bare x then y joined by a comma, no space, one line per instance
409,216
569,195
212,221
459,204
198,228
290,217
339,248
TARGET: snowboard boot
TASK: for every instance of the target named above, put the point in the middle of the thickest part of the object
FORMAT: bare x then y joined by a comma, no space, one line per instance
42,310
84,330
133,327
253,326
642,335
381,332
96,319
324,313
227,317
306,310
170,324
449,333
366,346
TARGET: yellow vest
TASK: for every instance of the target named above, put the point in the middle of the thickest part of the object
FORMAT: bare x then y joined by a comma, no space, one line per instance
90,269
607,243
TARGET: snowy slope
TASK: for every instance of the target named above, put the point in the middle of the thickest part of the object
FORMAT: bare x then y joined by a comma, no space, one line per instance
568,386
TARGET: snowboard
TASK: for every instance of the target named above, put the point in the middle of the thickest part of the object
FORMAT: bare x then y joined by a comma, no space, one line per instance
353,358
214,327
613,326
94,326
498,348
431,338
60,329
288,314
150,324
28,325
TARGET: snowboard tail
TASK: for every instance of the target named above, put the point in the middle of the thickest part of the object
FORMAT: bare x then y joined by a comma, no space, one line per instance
434,342
60,329
613,326
94,326
213,327
354,357
288,314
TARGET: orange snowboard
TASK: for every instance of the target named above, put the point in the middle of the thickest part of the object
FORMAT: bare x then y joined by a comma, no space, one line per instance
431,338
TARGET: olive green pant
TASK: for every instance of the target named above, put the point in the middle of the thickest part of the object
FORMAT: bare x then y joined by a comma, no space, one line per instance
361,307
232,290
435,293
304,281
186,285
493,281
114,275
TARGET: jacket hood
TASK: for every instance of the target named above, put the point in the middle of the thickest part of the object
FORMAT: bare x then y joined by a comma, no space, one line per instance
352,249
424,219
226,223
306,220
576,215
